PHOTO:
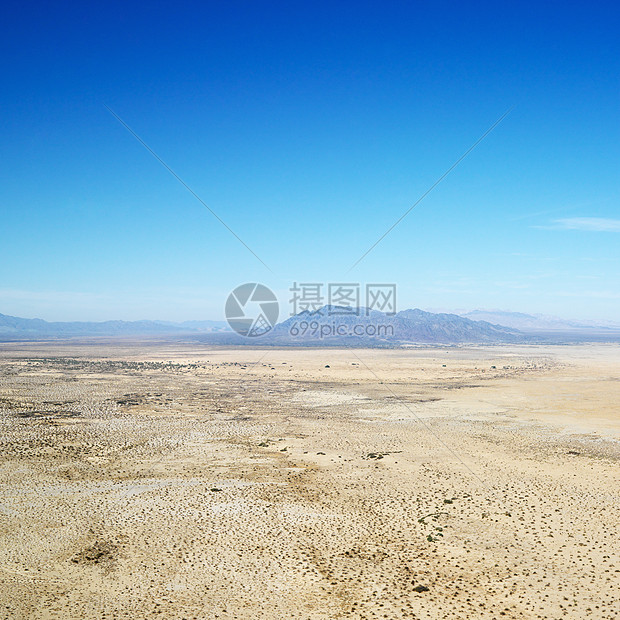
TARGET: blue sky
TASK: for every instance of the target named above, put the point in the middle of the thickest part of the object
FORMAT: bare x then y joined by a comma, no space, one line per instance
309,128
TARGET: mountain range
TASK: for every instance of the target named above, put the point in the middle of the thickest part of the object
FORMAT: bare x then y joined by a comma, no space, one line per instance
332,325
532,323
16,328
328,325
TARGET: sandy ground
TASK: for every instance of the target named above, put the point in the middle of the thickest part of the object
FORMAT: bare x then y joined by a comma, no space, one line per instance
179,481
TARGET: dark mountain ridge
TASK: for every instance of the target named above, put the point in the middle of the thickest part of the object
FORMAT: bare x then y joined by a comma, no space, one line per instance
338,325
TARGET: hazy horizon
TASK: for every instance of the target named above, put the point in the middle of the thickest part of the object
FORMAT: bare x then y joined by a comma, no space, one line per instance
222,319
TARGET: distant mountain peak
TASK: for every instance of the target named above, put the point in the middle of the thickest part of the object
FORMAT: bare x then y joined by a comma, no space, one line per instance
371,327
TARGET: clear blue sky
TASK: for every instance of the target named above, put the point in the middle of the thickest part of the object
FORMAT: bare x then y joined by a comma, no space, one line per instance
309,128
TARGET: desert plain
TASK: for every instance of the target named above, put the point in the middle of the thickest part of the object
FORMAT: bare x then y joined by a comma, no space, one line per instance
180,480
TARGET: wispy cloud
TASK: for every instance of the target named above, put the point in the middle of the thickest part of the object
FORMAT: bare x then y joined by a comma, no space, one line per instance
588,224
589,294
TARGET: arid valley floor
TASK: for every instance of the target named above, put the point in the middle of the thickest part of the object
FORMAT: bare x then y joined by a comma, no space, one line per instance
142,480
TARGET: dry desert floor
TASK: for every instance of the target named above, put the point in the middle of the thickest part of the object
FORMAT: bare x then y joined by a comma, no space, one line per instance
162,480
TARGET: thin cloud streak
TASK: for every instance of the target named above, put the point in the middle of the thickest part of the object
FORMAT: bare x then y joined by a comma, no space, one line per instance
586,224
